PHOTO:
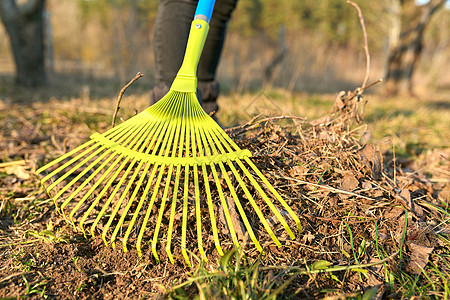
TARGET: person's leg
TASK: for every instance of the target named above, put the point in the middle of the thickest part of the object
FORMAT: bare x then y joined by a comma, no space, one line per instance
207,67
170,37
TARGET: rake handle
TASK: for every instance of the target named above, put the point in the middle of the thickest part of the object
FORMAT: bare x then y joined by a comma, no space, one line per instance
186,79
204,10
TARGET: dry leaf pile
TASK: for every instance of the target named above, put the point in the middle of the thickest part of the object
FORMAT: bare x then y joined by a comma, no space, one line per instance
348,193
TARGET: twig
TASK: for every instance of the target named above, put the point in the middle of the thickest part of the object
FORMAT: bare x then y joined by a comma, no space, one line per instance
325,187
13,163
359,90
371,84
338,221
122,91
366,44
252,124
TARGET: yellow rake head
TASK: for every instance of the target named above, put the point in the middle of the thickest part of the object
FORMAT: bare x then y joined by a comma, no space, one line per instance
170,163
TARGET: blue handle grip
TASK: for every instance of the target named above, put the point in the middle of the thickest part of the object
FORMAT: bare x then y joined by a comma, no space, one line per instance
205,8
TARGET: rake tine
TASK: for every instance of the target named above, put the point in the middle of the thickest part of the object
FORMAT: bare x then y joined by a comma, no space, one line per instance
200,133
97,183
131,181
254,205
61,158
66,174
180,132
262,193
198,214
240,209
197,146
130,202
211,210
265,197
224,206
213,144
119,203
140,204
111,197
77,167
172,214
88,180
168,139
160,129
212,134
215,134
149,209
275,193
188,133
185,211
138,136
136,190
201,115
161,212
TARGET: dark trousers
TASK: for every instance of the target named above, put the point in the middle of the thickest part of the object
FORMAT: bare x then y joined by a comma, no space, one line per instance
170,38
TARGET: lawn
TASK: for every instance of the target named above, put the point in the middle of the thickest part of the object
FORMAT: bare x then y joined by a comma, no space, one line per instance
368,177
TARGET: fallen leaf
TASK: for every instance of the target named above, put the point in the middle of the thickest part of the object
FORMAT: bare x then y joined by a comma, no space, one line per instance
298,170
444,195
419,257
18,171
349,182
366,185
373,159
308,237
394,212
405,198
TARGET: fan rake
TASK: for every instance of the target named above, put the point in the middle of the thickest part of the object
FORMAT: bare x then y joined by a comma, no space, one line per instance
169,162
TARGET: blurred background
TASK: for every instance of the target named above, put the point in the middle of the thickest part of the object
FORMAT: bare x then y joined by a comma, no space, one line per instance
312,46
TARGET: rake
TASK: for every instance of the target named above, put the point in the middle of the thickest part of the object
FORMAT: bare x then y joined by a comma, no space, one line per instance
172,161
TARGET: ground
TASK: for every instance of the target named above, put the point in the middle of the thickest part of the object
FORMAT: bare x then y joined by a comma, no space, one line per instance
368,178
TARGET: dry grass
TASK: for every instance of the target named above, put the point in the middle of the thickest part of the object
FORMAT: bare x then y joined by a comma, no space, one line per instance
358,211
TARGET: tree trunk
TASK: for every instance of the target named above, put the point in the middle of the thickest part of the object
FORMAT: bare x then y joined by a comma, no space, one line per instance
404,56
24,24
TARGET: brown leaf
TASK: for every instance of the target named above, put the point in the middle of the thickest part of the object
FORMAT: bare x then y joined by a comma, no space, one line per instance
419,257
376,274
18,171
349,182
366,185
298,170
308,237
444,195
405,198
373,159
394,213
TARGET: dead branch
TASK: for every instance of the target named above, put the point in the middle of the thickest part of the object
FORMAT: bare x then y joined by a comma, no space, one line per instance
119,98
366,44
